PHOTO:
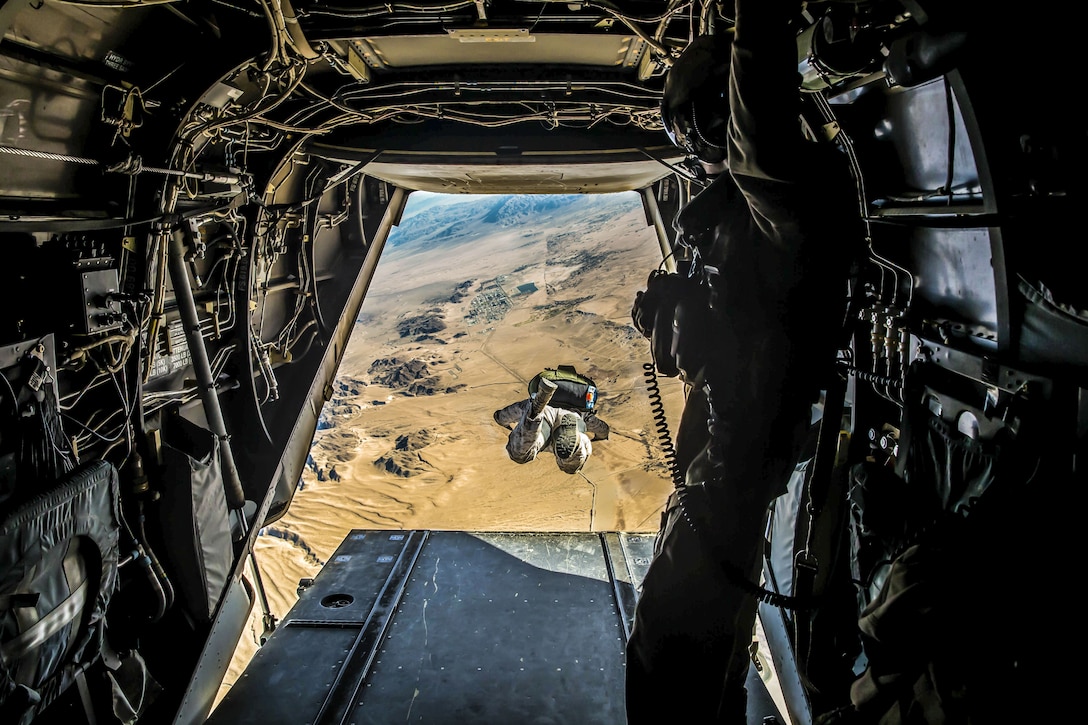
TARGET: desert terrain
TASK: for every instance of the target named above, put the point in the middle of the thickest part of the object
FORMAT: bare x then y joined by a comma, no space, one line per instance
472,297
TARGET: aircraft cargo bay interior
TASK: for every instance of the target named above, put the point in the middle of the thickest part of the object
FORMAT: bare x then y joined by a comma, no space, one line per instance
800,280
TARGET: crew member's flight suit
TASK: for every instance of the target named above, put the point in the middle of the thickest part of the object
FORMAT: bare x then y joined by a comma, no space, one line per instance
532,435
780,226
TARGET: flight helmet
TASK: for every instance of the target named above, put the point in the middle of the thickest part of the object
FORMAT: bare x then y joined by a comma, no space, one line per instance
695,100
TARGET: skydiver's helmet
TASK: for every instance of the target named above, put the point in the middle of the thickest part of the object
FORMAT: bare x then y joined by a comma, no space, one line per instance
695,101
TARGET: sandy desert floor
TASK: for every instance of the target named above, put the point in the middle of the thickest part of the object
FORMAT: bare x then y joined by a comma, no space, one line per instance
454,473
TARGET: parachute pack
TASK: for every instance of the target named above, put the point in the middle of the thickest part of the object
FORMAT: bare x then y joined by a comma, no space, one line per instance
575,391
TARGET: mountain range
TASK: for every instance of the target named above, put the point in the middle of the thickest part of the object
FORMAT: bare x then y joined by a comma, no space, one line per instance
436,219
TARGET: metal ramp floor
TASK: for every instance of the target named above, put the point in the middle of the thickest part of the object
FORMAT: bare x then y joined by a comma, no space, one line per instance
452,627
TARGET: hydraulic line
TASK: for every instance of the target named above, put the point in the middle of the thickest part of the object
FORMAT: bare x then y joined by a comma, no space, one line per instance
183,291
649,203
131,165
268,618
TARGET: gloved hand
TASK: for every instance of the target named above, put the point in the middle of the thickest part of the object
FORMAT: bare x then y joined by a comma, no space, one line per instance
644,309
674,313
654,315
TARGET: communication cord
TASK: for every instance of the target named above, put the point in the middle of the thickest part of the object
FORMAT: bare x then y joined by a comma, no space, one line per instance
733,572
657,407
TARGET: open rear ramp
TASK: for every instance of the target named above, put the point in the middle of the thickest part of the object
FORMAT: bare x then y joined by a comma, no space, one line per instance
413,626
453,627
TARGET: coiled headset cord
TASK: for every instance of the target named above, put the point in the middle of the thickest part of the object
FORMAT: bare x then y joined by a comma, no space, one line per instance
657,407
732,572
